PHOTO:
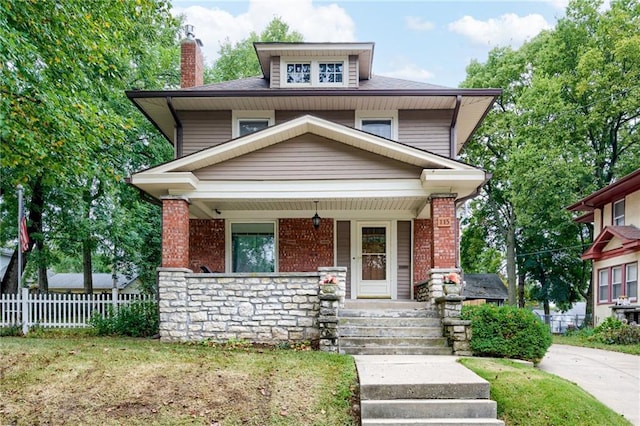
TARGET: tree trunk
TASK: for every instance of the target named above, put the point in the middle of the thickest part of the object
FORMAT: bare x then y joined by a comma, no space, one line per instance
521,279
87,266
511,262
35,216
547,312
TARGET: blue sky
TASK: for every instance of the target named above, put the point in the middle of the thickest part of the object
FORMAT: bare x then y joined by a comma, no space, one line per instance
430,41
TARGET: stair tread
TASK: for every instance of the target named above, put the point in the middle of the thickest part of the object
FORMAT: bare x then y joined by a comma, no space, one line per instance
434,421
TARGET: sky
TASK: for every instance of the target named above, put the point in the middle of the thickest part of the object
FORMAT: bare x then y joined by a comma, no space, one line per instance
428,41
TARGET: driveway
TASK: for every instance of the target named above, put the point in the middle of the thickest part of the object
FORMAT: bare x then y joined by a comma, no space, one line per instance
611,377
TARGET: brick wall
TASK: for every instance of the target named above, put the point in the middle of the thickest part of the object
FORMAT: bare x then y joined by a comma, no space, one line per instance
175,233
206,244
191,64
444,237
303,248
422,250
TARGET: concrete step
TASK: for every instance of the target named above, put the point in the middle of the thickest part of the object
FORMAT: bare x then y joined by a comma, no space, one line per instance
395,350
350,330
373,342
365,321
429,408
388,313
404,305
432,422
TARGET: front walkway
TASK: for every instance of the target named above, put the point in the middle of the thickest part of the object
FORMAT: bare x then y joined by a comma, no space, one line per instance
612,377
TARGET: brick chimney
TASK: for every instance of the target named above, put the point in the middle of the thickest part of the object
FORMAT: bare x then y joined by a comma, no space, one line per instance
191,60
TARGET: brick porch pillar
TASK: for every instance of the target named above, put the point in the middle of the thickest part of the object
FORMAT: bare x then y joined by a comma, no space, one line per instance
445,239
175,232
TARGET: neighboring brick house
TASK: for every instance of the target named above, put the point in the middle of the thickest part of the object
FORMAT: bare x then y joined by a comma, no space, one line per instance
318,163
614,212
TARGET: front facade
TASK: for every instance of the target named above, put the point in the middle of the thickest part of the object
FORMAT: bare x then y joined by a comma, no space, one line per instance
317,164
614,212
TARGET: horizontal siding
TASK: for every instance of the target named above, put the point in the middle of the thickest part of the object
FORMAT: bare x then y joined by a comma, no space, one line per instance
346,118
404,259
425,129
353,71
343,250
309,157
275,72
204,129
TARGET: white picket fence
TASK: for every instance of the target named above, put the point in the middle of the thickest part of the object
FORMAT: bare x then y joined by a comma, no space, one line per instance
60,310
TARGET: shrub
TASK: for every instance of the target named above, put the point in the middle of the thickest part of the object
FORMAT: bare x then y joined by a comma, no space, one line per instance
138,319
615,332
14,330
507,332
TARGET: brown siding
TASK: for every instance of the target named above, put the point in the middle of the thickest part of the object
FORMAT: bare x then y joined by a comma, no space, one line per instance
346,118
204,129
309,157
353,71
404,259
343,249
428,130
275,72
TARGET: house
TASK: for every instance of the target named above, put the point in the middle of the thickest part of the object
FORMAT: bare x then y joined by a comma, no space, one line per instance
318,167
487,287
5,259
102,283
614,212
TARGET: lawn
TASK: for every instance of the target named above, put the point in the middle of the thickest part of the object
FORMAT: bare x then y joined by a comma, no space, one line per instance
95,380
531,397
578,340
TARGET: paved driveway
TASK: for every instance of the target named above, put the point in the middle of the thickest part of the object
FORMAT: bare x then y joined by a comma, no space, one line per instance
612,377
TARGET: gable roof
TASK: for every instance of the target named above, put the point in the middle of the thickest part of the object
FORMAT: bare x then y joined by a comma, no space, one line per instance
628,235
613,192
484,286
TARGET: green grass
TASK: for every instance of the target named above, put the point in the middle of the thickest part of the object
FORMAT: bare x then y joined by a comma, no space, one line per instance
578,340
104,380
531,397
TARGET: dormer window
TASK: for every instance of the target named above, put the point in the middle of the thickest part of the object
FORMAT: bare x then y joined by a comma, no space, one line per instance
314,73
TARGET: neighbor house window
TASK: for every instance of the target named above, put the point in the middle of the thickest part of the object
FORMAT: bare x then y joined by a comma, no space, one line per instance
380,123
253,247
603,285
245,122
618,213
631,281
328,72
616,282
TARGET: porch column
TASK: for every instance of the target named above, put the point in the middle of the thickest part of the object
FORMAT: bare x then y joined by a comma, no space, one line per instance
445,241
175,232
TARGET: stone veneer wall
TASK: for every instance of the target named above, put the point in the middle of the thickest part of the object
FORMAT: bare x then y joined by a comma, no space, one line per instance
262,308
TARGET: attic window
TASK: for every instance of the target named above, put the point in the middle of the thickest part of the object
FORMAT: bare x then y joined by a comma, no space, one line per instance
379,123
251,125
249,121
618,213
331,72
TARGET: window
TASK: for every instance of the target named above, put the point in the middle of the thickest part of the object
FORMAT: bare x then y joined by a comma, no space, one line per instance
603,285
299,73
253,247
249,121
618,213
631,281
329,72
380,123
378,127
616,282
249,126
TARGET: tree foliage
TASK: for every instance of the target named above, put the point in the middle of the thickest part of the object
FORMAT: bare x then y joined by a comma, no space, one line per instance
239,60
566,125
68,133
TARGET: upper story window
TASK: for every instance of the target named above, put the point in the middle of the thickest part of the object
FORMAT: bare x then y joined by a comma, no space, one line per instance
380,123
618,213
245,122
330,72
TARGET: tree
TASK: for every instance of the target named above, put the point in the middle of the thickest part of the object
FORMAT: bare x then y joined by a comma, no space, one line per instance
239,60
69,134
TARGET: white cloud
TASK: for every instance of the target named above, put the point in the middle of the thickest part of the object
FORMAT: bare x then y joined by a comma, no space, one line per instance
317,23
409,71
416,23
509,29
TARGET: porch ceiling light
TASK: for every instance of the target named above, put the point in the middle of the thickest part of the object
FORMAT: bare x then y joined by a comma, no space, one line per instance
316,219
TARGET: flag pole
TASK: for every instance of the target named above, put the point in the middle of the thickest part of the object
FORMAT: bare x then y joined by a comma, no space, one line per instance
20,210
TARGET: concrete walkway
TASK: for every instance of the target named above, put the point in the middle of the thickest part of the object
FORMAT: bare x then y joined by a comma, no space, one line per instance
612,377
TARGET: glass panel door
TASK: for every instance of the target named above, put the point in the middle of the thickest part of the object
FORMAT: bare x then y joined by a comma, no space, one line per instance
373,257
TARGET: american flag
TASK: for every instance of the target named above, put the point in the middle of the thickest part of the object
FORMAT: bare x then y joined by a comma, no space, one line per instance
24,235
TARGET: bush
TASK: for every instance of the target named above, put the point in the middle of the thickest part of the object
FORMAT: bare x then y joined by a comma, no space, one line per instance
138,319
615,332
507,332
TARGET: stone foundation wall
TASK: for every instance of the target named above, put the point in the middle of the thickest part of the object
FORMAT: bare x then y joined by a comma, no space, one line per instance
261,308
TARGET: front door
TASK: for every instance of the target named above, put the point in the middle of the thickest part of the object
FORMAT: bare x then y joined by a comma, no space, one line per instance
373,275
